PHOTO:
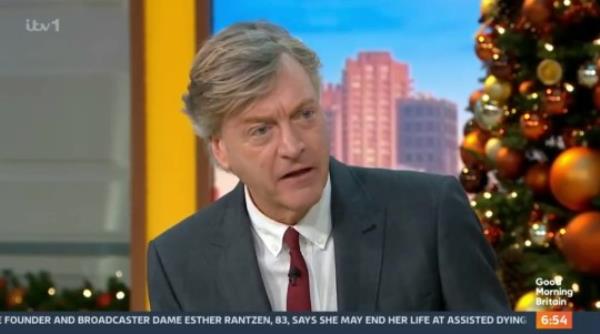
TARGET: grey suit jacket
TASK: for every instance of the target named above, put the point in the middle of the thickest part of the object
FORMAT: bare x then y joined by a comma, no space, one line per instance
404,241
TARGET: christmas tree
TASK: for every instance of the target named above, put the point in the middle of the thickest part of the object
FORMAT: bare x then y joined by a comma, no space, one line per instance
40,293
532,148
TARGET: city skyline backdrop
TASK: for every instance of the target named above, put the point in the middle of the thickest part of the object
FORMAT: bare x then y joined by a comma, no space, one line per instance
435,38
376,120
440,72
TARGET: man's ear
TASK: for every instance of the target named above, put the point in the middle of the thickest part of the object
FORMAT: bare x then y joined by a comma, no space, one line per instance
219,151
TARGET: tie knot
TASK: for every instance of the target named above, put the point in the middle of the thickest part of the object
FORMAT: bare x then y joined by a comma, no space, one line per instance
292,239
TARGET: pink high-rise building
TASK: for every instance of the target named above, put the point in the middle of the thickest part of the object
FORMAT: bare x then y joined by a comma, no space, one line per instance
372,84
331,103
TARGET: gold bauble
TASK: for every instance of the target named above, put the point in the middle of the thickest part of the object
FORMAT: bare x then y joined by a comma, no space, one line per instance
472,148
549,72
492,147
496,89
527,303
488,7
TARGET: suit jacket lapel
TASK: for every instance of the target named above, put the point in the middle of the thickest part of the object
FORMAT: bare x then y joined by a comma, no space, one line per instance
238,275
358,225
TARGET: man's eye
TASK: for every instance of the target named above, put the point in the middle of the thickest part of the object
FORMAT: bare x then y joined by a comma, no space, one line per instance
307,114
260,130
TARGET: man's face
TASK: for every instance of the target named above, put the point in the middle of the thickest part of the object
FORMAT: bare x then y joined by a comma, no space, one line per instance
279,146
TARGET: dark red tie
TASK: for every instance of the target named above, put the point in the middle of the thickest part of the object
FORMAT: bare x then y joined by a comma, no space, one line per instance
298,294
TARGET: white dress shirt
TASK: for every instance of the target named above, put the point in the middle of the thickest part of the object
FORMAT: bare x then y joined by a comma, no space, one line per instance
316,245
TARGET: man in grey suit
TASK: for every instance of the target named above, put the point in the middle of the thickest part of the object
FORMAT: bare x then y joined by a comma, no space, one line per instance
302,231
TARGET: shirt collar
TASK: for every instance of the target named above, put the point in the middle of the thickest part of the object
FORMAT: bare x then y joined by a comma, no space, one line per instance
315,226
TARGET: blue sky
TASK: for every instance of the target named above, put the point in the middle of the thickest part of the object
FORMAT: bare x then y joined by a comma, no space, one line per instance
434,37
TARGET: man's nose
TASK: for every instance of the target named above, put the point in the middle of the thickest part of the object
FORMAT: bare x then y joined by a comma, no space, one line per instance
291,144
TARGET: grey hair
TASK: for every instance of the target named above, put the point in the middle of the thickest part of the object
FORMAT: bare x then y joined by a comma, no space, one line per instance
236,67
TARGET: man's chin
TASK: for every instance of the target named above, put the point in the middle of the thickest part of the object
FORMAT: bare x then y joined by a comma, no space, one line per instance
301,199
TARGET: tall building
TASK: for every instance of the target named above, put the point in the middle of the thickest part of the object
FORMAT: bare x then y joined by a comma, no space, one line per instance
371,85
428,134
331,103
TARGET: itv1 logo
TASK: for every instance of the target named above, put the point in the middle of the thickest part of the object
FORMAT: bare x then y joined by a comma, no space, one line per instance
33,25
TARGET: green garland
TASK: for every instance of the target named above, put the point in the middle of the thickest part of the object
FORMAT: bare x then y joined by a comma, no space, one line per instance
40,293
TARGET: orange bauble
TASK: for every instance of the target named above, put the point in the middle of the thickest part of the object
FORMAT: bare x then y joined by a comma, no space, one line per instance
537,178
484,47
473,179
15,297
572,136
470,126
597,97
526,87
575,177
534,126
473,145
537,11
502,69
475,96
509,163
581,242
578,11
554,101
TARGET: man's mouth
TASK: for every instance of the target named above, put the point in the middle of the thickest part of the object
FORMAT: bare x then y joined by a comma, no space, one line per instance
298,172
